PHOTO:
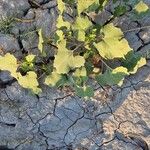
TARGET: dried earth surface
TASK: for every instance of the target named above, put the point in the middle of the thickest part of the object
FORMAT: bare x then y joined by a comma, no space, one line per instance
115,119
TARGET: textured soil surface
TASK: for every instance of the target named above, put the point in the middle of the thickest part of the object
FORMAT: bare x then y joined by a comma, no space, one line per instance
115,119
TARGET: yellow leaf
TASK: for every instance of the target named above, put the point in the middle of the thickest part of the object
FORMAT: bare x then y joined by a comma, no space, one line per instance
52,79
41,41
60,35
29,81
120,69
82,23
30,58
9,63
113,45
80,72
62,23
61,6
65,60
139,64
82,5
141,7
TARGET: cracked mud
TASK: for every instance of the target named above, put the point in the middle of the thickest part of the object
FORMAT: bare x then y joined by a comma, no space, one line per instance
115,119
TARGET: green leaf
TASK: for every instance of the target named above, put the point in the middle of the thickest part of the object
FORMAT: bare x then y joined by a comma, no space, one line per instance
141,7
120,10
28,64
113,45
69,66
85,91
89,67
139,64
103,2
41,41
95,7
29,81
65,60
9,63
133,62
80,76
113,77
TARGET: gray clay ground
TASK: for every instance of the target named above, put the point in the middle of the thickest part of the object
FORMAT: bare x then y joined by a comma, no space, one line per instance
115,119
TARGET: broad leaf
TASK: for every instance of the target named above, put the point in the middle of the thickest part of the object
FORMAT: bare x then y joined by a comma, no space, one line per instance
95,7
80,76
29,81
133,62
139,64
65,60
141,7
85,91
55,79
9,63
113,77
113,45
28,64
82,5
120,10
80,72
81,25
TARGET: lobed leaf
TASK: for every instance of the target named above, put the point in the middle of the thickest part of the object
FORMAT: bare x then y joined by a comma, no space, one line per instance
80,72
81,25
133,62
85,91
55,79
113,77
9,63
68,62
141,7
29,81
113,45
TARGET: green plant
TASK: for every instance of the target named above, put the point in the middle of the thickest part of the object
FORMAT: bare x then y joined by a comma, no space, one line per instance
6,24
83,51
28,64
